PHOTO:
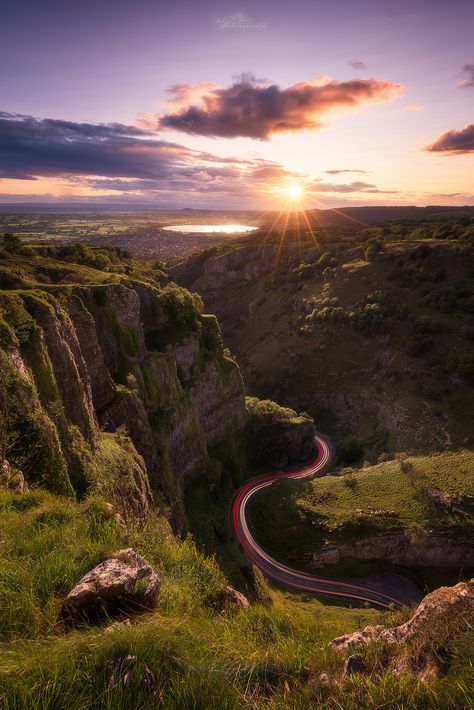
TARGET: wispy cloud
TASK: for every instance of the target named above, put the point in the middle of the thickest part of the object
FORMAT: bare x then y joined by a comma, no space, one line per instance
346,170
469,82
413,107
356,186
255,110
454,142
358,65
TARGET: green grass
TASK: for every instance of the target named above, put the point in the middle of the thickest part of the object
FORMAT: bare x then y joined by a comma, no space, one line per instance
267,657
396,487
389,497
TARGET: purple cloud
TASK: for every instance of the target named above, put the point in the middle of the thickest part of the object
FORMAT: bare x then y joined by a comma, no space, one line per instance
469,82
258,111
454,142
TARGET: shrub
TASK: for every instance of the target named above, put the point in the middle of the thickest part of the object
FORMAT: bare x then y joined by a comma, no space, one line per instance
12,243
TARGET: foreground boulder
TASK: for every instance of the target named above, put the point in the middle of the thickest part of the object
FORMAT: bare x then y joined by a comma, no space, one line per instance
120,586
421,645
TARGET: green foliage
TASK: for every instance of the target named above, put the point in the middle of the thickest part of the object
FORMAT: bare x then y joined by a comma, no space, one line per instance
12,243
182,306
373,248
265,657
127,338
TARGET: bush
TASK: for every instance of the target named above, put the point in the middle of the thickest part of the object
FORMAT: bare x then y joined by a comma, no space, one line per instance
373,248
12,243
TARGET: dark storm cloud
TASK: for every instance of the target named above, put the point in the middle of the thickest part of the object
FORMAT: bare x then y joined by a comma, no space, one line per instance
124,160
256,111
32,147
469,82
454,142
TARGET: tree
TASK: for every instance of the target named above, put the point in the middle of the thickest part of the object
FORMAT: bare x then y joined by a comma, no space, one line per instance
12,243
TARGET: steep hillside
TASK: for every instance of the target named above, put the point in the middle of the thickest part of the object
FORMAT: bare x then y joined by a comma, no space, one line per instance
369,329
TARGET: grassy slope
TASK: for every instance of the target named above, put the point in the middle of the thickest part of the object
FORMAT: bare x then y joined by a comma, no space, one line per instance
266,657
390,496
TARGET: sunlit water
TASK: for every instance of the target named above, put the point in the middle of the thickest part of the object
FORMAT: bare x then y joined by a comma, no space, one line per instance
210,228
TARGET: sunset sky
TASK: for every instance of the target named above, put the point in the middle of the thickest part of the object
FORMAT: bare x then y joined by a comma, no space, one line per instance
228,104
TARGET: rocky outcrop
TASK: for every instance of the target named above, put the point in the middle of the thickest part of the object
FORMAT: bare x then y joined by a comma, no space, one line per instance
102,385
243,264
120,586
277,436
58,345
432,550
422,643
130,357
215,392
12,479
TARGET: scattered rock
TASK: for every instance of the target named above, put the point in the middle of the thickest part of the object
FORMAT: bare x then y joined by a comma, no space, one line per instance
119,586
357,638
12,478
354,664
229,598
438,497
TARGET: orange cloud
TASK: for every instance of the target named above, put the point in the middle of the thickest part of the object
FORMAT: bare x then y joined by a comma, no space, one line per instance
454,142
255,110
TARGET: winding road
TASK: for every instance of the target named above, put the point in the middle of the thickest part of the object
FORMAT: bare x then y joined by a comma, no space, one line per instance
280,573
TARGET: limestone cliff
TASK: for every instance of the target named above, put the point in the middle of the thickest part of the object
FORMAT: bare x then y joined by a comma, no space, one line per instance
126,375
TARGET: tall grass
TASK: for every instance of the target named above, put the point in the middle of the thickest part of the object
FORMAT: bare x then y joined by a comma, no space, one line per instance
187,655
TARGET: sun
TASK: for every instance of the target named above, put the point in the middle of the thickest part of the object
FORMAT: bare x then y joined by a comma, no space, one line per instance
294,191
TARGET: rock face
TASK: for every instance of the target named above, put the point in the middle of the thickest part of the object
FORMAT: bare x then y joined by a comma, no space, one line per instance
277,436
435,550
223,267
121,585
424,638
128,359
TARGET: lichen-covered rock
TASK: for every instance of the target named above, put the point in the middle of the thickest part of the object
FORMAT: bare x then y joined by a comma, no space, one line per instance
220,401
120,586
422,643
102,386
186,354
12,479
357,638
69,374
122,356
